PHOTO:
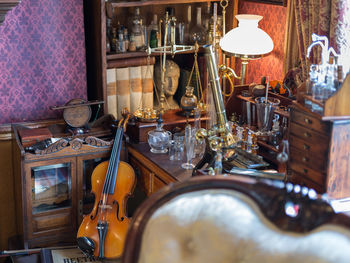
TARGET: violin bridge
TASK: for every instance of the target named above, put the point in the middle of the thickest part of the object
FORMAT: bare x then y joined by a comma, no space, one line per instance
105,207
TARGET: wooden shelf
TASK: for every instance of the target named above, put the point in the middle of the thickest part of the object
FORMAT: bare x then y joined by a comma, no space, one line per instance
137,54
157,2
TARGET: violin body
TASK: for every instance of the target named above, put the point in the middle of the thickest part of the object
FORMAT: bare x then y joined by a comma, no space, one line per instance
114,211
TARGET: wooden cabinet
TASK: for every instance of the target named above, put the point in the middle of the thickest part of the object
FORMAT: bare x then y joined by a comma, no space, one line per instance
52,187
319,152
154,171
95,31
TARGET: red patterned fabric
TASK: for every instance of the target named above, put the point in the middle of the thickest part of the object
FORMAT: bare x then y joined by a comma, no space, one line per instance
328,18
273,23
42,59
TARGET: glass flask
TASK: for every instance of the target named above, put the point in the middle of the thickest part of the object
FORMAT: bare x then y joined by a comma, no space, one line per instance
198,32
159,138
188,100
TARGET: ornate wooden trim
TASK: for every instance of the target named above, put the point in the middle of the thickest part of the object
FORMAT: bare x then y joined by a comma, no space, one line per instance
55,147
5,6
96,142
77,144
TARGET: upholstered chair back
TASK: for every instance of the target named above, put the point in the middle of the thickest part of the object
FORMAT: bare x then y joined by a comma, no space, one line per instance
236,220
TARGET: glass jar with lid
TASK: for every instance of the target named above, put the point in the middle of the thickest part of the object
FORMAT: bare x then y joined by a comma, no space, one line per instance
158,139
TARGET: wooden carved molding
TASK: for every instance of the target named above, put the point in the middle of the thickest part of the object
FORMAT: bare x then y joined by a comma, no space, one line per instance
96,142
55,147
75,144
5,6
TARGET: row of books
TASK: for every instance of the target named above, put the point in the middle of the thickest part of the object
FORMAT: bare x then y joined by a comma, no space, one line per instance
130,87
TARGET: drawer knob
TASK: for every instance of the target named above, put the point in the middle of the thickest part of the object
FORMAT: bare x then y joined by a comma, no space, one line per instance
305,159
308,121
305,171
306,147
307,134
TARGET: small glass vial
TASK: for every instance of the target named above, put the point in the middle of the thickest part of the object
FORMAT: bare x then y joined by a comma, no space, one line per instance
121,43
188,24
218,163
171,150
114,41
310,83
126,39
239,134
249,144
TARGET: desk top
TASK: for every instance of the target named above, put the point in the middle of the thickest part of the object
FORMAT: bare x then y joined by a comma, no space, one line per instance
169,171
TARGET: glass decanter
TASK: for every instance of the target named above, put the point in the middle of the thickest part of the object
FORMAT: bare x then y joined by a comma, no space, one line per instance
159,138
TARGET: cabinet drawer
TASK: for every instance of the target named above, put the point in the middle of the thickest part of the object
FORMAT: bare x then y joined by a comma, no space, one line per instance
309,121
157,184
308,135
319,149
314,161
296,178
52,222
307,172
144,175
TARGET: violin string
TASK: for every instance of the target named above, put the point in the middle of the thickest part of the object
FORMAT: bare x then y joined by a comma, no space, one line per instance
110,166
106,185
113,177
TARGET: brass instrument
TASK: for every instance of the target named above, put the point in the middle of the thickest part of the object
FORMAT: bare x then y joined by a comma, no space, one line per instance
219,138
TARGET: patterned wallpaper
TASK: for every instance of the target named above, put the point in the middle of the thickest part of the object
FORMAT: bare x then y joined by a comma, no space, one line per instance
42,59
273,23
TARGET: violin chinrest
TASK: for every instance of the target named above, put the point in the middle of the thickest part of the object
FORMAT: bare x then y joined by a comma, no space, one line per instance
86,245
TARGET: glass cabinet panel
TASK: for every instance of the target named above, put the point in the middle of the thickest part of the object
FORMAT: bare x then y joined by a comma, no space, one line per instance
51,187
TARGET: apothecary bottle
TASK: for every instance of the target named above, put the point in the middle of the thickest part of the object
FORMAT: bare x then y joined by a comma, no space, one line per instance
171,25
137,29
198,32
188,100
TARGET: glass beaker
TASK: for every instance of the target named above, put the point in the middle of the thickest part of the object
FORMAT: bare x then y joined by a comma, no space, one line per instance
265,113
189,142
178,145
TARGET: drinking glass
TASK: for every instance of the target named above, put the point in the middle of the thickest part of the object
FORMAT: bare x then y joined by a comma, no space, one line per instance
179,145
189,141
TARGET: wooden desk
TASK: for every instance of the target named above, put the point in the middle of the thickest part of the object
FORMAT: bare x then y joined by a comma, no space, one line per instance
154,171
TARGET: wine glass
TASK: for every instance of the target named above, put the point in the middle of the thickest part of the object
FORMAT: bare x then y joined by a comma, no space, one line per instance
189,141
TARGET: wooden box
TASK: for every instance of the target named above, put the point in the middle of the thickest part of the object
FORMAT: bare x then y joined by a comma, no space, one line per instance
173,120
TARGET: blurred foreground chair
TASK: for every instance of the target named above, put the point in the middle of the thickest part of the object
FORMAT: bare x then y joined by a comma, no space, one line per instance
236,219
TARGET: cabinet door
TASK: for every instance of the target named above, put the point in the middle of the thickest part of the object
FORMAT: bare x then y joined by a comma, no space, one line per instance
85,167
50,197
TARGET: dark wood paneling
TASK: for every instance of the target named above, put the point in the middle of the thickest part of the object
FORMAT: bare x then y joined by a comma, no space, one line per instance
5,6
7,197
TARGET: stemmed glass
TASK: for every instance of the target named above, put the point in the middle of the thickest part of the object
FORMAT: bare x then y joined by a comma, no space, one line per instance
189,141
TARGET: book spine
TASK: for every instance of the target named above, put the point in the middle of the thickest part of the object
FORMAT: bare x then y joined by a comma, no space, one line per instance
123,90
135,88
147,86
112,92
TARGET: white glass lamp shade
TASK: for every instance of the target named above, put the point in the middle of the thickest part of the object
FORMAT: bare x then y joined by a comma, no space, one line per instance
247,40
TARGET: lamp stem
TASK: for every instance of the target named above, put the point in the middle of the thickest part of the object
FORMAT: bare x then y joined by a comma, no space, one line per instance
244,64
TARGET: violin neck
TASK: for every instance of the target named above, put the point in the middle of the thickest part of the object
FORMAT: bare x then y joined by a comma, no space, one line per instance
112,170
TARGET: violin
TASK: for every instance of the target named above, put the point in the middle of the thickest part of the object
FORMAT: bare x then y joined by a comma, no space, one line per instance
102,232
